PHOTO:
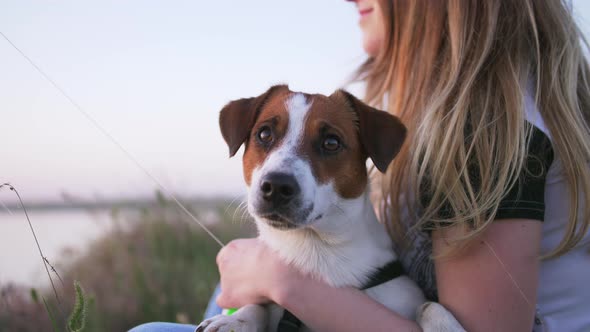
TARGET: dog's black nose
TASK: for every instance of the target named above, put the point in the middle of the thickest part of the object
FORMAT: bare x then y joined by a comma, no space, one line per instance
279,188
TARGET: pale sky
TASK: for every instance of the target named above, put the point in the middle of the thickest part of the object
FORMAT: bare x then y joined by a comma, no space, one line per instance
155,74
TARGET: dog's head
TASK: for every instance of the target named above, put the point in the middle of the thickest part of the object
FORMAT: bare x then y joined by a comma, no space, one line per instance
306,153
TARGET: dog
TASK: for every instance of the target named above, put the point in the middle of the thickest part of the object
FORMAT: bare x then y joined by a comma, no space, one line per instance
305,167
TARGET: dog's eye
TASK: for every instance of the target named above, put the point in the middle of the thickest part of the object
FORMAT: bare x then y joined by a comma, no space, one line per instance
265,134
331,143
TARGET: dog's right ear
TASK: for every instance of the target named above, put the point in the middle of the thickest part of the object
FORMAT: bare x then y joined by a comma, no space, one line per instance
238,117
381,133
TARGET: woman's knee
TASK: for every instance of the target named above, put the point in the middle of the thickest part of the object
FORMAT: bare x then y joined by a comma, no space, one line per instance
163,327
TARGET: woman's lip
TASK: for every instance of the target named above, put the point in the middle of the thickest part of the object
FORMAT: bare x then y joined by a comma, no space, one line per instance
365,11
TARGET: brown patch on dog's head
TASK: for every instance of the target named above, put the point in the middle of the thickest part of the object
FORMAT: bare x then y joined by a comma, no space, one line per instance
274,117
360,131
332,146
381,134
238,117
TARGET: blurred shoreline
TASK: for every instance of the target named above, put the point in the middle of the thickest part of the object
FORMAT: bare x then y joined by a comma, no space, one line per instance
151,263
108,204
66,228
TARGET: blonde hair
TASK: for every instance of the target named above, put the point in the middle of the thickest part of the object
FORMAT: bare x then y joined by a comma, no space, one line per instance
456,72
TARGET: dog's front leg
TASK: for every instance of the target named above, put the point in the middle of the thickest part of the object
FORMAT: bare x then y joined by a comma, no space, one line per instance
250,318
433,317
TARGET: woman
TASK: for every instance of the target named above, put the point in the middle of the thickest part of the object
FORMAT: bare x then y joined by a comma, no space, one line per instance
496,98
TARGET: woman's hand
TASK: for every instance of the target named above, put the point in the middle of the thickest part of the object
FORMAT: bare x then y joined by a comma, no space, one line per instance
251,273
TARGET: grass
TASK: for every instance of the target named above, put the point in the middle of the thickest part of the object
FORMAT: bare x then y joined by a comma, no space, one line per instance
154,265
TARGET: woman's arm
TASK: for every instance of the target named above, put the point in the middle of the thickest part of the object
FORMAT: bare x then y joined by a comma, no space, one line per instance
252,273
478,286
492,284
324,308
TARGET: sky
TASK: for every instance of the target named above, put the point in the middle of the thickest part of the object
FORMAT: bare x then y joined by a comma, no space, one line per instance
154,75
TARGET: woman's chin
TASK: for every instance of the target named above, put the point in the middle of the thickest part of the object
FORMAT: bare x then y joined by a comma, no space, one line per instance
371,46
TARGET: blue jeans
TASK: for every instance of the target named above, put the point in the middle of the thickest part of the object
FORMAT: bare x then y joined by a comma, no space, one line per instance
212,310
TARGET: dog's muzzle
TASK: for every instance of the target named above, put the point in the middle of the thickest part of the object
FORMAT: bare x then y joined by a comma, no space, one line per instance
280,201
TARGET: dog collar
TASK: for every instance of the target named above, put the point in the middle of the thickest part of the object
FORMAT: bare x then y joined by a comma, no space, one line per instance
388,272
289,323
394,269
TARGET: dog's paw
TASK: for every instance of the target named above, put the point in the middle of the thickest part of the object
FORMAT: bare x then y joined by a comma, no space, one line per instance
223,323
433,317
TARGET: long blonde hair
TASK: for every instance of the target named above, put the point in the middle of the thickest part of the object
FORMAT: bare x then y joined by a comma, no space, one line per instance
456,72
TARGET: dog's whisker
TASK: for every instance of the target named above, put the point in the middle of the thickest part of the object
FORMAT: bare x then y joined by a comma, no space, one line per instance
236,211
243,209
335,204
241,219
245,215
230,204
233,217
244,206
239,209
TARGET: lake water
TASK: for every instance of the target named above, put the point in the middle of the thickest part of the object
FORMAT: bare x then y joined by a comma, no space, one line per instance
57,231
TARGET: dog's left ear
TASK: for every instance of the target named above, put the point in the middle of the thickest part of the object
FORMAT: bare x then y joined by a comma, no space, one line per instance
382,134
239,116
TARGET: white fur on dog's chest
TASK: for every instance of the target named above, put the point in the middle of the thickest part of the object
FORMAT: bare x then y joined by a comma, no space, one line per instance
351,245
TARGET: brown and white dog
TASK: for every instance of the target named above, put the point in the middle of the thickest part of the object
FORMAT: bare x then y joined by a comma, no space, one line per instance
305,167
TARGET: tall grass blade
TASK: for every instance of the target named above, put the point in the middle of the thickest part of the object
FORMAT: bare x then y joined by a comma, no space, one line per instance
77,319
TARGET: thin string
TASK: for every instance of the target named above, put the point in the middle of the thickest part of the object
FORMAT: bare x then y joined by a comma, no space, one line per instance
509,274
43,259
6,208
113,140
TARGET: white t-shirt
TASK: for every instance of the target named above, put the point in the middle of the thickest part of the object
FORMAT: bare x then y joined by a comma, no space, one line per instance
563,300
563,296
